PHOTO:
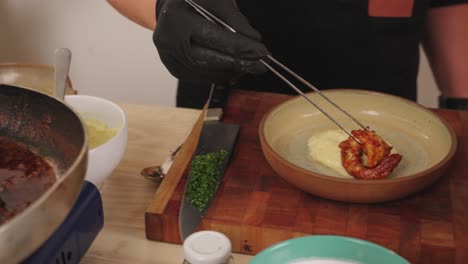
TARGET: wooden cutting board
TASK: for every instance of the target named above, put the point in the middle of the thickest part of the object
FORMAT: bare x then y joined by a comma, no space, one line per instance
256,208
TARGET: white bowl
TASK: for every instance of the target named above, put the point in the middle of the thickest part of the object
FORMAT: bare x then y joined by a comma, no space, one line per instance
103,159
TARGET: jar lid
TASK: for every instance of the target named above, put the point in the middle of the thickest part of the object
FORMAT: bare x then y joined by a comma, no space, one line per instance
207,247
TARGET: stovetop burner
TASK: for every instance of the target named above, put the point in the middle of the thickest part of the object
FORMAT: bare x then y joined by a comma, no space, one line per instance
72,239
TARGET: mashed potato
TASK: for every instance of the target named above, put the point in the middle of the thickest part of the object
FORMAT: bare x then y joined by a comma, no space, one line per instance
323,148
98,132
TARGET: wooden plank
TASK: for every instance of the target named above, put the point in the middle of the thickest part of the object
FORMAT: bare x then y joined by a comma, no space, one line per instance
182,159
161,220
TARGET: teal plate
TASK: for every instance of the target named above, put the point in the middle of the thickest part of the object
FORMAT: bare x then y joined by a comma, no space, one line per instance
327,248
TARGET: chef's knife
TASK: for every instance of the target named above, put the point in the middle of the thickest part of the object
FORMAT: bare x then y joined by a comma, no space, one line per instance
215,136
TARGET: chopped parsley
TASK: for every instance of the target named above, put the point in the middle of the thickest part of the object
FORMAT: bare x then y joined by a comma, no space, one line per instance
205,176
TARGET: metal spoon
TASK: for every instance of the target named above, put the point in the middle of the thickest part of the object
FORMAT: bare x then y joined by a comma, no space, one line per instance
62,67
157,173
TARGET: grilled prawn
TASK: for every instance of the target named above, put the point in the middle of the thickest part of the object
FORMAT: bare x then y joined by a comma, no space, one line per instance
380,163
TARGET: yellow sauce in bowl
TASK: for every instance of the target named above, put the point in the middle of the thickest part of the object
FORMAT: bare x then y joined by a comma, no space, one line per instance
98,132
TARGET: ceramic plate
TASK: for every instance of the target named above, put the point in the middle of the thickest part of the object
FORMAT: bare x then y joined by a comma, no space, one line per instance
424,140
33,76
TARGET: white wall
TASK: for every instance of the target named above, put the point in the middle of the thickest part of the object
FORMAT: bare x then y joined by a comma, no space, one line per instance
427,88
112,57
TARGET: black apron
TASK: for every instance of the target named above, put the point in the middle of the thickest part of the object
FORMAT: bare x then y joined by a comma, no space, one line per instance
332,44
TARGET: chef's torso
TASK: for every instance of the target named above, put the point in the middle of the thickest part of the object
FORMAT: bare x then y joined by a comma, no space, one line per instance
360,44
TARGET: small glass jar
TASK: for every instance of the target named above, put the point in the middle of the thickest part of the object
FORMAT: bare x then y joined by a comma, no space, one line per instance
207,247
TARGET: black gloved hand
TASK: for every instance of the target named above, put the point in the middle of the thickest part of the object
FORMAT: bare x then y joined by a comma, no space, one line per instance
194,48
453,103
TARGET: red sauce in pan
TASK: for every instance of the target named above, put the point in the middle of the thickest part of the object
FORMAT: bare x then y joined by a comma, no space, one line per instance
24,176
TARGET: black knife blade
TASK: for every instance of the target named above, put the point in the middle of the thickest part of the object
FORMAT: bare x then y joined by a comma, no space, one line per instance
215,136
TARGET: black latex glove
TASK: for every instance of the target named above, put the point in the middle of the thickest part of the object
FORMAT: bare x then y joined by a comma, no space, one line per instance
194,48
453,103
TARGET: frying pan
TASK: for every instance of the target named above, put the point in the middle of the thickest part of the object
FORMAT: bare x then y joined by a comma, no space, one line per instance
56,132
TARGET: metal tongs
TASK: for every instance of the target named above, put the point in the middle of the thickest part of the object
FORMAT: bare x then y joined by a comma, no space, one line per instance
209,16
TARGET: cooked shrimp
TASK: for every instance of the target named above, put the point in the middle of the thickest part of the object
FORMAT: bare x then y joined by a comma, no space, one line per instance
376,150
374,147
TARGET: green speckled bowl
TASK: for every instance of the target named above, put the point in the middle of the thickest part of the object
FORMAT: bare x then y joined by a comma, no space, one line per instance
327,247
